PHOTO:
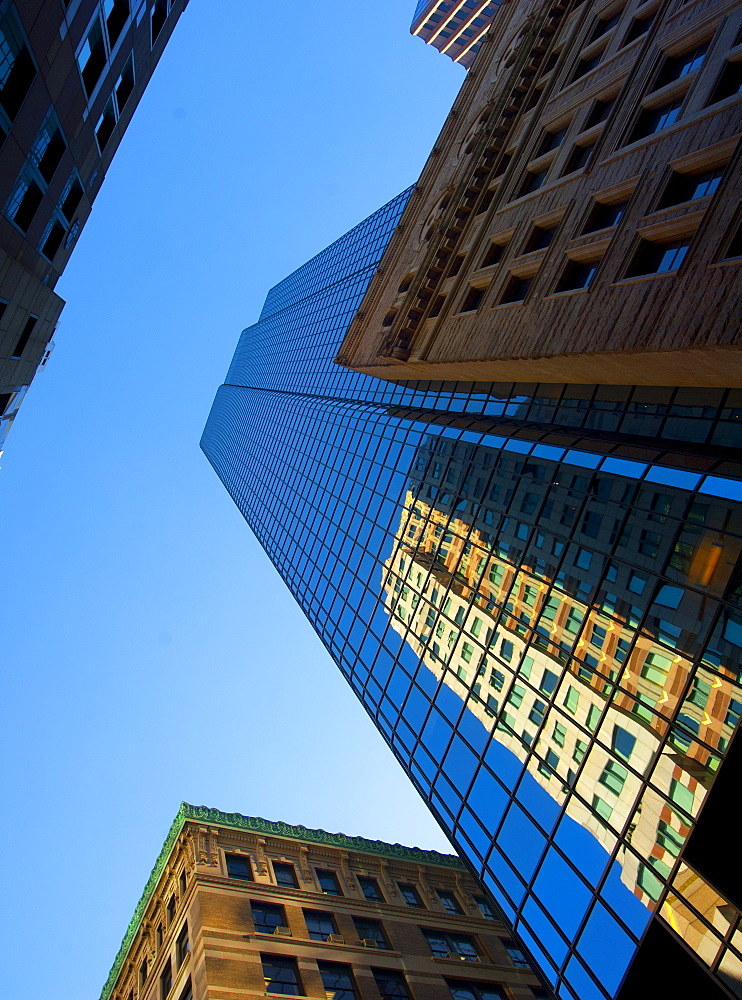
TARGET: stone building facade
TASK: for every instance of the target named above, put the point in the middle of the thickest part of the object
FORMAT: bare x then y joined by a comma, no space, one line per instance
71,76
239,907
579,218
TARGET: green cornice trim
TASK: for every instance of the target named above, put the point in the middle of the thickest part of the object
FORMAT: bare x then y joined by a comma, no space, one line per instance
255,824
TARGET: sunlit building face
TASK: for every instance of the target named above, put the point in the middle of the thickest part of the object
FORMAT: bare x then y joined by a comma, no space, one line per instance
540,614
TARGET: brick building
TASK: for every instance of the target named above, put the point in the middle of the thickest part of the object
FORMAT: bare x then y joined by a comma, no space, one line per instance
71,76
579,217
240,907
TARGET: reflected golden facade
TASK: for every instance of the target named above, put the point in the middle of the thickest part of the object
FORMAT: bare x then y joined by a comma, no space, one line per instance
624,731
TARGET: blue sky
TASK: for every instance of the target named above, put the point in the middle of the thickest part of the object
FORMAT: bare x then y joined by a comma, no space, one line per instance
153,654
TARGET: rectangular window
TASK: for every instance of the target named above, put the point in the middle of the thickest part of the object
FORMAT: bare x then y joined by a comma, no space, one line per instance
449,901
92,57
443,944
410,894
390,984
281,976
494,254
52,239
267,916
533,180
117,14
462,989
604,216
657,258
515,290
485,907
729,83
106,125
319,925
688,187
328,882
371,930
516,955
472,299
614,777
48,148
166,980
17,69
576,275
623,742
653,120
24,338
238,866
675,67
578,158
337,980
285,875
125,86
551,140
24,201
370,889
182,946
159,16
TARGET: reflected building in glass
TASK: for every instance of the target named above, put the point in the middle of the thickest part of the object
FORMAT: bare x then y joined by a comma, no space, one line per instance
534,591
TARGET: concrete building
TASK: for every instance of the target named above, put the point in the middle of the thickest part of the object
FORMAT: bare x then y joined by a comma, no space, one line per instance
71,76
241,907
579,217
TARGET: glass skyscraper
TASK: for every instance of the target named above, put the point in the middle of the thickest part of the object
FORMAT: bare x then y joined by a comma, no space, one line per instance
535,592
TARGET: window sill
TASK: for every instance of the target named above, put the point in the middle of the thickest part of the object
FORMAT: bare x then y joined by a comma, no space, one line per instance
643,277
294,941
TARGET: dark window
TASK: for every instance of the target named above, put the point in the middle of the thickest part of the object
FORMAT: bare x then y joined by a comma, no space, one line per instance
183,883
577,274
604,25
106,125
688,187
187,993
599,113
489,197
337,980
281,976
410,894
493,255
143,973
551,140
604,216
485,907
328,882
516,955
538,239
267,916
638,27
171,910
472,299
24,338
158,937
449,901
285,874
370,888
182,946
92,57
435,309
456,265
675,67
729,83
18,69
391,985
657,258
578,158
463,990
319,925
166,980
117,14
585,65
24,202
653,120
735,247
49,160
442,944
238,866
371,930
53,240
125,86
532,181
71,199
515,290
159,16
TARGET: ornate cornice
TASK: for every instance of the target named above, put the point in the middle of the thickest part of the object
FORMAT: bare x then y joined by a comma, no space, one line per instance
264,827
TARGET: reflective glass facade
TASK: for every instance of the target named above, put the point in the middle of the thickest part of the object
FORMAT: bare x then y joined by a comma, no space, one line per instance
456,27
535,592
